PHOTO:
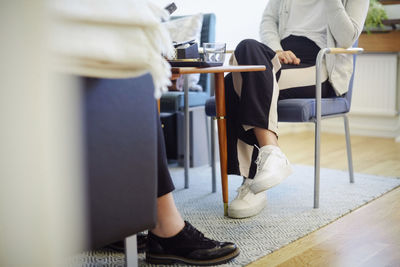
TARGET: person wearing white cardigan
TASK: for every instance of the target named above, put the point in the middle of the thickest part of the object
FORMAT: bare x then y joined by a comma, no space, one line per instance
292,32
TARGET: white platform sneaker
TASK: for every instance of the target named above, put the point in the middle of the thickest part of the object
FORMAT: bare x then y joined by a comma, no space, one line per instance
272,168
247,204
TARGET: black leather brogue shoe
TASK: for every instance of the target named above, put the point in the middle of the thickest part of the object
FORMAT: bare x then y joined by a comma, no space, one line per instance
189,246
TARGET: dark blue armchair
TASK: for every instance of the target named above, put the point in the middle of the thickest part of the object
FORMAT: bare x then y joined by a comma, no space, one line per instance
120,146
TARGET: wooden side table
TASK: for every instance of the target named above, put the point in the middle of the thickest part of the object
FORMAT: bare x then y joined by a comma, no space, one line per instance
221,113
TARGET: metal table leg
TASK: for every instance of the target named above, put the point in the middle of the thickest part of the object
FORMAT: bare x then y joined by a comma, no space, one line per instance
186,152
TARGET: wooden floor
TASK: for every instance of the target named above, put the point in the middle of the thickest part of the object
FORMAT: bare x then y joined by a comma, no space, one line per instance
380,156
369,236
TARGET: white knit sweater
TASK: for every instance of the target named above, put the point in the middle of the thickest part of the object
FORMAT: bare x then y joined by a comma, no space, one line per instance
307,18
345,23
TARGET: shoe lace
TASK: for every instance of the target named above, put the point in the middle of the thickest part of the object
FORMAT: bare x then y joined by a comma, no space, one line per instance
264,155
194,232
199,236
262,158
242,191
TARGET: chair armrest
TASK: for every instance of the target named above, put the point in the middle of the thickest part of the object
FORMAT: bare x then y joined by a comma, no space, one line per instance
320,57
318,85
352,50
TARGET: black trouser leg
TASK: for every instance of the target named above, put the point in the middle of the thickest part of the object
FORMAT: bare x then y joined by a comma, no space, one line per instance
165,184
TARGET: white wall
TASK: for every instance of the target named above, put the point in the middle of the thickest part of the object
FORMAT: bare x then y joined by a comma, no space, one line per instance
392,11
236,19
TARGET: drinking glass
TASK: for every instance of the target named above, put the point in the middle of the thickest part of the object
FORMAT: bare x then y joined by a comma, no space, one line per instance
214,52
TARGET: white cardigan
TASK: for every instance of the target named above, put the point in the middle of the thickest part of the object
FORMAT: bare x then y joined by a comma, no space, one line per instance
345,23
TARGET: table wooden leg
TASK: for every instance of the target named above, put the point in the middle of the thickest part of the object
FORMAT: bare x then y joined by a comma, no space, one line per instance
223,154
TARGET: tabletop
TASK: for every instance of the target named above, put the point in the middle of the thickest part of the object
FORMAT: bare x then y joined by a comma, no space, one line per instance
221,69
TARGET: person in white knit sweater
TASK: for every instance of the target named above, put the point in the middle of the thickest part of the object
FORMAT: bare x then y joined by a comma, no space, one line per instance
292,32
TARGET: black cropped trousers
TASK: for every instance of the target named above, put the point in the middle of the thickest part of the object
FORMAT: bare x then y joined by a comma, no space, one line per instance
165,184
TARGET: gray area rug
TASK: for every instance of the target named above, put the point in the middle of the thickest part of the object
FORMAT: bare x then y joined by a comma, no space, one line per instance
289,214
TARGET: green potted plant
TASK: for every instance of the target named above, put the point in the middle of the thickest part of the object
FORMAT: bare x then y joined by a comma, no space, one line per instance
376,14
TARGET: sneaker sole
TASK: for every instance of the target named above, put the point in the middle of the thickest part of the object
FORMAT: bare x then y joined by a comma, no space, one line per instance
262,185
240,214
172,259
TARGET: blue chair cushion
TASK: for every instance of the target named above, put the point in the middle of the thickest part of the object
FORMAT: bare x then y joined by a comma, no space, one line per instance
210,107
298,109
174,101
303,109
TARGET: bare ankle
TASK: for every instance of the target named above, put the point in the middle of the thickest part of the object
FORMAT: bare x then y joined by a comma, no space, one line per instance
265,137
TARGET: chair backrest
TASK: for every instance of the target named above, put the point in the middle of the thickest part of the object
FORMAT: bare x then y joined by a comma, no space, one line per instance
208,28
349,93
207,36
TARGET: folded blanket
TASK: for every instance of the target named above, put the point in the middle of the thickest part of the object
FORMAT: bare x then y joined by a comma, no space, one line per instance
112,39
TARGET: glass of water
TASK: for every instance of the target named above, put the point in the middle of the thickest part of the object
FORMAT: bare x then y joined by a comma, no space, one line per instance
214,52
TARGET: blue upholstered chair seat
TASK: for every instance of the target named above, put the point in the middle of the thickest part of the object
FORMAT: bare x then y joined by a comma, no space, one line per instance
298,109
210,107
174,101
303,109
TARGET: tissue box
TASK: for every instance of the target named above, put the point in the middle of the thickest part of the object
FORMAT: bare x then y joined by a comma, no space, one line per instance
188,50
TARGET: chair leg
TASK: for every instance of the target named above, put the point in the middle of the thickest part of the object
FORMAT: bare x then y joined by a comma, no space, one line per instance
317,157
213,169
131,255
348,146
208,133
